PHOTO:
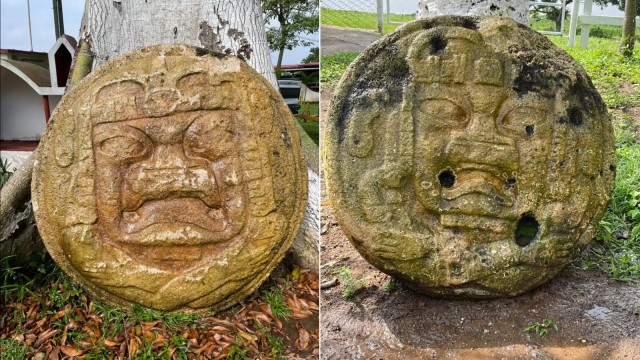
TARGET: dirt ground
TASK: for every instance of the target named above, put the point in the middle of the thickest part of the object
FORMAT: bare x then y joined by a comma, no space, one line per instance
596,318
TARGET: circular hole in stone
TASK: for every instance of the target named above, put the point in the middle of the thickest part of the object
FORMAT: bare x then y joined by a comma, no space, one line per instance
529,130
447,178
526,230
437,44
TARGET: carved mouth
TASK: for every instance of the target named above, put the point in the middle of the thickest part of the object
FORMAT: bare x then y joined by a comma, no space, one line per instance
175,221
477,192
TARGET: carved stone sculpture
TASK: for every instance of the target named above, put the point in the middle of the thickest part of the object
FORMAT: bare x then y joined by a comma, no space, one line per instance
468,156
170,177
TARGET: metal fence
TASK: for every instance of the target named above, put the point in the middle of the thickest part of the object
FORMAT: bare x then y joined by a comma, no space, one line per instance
360,14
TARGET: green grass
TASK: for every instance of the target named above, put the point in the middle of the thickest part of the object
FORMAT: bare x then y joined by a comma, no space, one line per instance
312,128
351,286
42,285
616,249
540,328
275,299
595,31
608,69
333,66
360,19
12,350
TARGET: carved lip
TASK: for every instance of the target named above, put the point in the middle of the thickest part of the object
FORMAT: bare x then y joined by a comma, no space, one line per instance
479,187
477,192
175,221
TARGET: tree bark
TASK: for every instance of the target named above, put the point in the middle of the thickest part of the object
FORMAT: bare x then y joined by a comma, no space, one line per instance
19,237
628,28
517,10
111,28
218,25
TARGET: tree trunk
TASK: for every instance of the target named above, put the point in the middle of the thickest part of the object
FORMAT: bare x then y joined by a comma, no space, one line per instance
628,28
110,28
280,55
218,25
518,10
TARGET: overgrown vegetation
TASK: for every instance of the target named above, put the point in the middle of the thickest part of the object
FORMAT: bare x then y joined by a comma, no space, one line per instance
44,314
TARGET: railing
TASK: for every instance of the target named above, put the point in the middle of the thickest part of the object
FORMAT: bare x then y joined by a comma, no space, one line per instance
563,10
586,19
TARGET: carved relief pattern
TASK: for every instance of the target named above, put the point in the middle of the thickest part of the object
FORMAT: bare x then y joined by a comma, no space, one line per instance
486,180
164,190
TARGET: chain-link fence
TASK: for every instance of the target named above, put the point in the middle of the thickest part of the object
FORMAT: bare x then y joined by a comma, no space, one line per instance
360,14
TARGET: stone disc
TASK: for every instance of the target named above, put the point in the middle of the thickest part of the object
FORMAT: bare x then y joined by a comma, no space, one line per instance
170,177
468,156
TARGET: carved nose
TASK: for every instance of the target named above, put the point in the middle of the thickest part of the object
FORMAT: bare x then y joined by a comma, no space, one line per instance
481,144
170,173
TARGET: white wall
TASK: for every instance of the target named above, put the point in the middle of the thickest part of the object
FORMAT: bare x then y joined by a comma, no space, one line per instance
21,109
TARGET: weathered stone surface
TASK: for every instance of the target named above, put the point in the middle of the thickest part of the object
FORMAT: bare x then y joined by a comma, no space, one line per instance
468,156
172,178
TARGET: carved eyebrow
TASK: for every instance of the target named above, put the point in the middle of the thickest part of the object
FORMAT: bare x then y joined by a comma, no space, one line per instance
445,94
192,79
119,89
106,131
530,101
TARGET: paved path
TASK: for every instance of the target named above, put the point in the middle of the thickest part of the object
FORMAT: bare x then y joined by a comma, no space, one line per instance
336,39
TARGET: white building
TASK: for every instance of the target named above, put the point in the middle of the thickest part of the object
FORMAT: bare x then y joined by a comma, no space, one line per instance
31,85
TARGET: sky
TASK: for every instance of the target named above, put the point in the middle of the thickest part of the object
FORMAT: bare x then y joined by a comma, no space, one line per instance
14,27
410,6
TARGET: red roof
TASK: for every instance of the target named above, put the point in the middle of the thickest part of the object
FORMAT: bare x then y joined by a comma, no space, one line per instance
308,66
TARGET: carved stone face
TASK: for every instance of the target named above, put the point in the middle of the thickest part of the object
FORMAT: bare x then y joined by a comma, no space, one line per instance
468,157
170,179
470,130
170,182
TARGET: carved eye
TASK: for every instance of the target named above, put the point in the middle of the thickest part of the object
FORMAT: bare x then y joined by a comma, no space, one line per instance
121,143
442,113
211,135
524,121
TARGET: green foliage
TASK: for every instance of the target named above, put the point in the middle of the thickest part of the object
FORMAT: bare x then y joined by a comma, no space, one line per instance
238,351
350,285
276,343
608,70
540,328
595,31
5,173
177,319
361,19
333,66
551,13
619,3
275,299
390,286
296,17
312,127
617,247
617,244
12,350
314,56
